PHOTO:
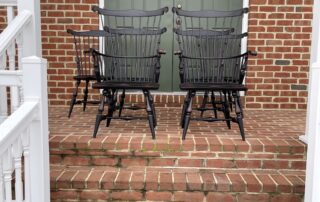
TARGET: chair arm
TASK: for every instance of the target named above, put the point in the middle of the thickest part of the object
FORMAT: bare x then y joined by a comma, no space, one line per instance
253,53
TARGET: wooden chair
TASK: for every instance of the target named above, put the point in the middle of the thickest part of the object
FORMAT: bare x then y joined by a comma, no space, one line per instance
211,61
84,41
131,62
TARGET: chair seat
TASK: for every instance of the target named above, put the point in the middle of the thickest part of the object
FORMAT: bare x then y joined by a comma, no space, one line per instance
213,86
126,85
85,77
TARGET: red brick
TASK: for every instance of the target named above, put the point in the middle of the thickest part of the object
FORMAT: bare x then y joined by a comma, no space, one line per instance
76,160
220,163
122,181
225,197
222,181
162,162
286,198
94,195
190,162
238,185
126,162
180,181
208,181
127,195
103,161
283,184
253,185
166,181
65,194
64,180
93,181
137,180
268,184
158,196
152,180
78,181
253,197
188,196
194,181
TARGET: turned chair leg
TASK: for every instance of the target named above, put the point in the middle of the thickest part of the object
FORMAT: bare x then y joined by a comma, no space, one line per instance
226,110
214,105
153,110
204,103
122,98
150,113
188,114
112,106
230,100
85,97
239,113
74,97
184,109
100,115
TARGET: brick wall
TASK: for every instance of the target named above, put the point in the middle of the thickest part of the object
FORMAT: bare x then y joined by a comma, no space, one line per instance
280,30
3,19
56,17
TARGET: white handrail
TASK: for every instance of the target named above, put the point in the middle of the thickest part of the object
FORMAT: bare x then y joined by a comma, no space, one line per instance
13,30
24,115
8,3
10,78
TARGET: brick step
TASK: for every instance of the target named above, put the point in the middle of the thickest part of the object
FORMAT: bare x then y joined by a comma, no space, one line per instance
174,145
201,160
215,152
177,184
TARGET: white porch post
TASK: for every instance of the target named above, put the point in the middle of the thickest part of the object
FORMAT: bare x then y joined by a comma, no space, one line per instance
35,87
312,134
32,34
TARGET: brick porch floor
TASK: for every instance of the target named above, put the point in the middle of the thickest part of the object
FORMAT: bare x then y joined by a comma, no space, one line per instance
213,164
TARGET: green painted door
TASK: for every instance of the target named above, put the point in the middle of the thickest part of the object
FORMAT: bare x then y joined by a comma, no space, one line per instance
169,79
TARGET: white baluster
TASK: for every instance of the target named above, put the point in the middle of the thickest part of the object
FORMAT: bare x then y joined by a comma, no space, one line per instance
17,153
26,147
7,171
12,66
1,182
10,13
19,42
3,92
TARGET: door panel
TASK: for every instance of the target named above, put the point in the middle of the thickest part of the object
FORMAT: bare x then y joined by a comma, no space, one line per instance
169,78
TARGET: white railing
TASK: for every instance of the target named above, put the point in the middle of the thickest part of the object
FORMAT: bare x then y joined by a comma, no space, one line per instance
24,149
10,54
24,137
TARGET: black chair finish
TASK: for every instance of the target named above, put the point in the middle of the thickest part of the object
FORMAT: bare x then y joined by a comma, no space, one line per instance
84,41
211,61
131,61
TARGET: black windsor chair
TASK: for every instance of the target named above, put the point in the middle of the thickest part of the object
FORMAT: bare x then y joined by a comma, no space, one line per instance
84,42
131,61
211,61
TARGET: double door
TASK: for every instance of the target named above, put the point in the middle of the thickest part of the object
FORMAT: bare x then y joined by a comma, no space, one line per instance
169,76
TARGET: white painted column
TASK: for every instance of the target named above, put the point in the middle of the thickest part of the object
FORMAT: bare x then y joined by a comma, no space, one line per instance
315,58
35,87
32,34
312,135
245,26
245,22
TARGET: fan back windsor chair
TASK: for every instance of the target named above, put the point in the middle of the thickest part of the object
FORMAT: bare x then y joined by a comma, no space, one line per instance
211,61
84,41
131,61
